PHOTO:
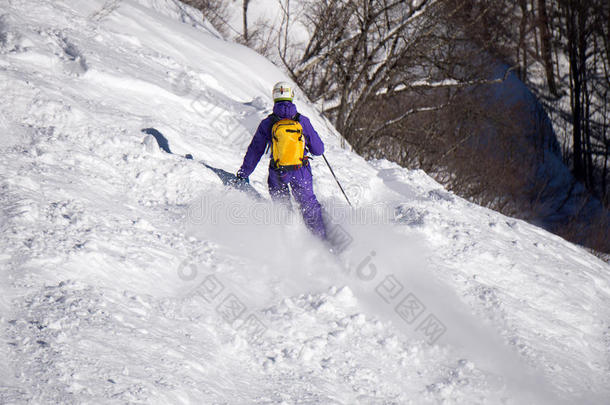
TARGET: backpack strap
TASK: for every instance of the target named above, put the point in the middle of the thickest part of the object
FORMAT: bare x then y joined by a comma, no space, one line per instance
274,120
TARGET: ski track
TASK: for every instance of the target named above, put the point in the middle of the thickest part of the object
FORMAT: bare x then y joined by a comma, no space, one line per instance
114,274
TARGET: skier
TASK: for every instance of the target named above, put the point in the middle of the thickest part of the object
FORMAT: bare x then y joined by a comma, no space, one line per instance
290,136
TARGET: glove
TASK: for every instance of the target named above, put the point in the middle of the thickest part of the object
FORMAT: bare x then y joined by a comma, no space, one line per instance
241,179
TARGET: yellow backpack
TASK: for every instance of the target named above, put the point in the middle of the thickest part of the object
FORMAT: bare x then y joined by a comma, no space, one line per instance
287,143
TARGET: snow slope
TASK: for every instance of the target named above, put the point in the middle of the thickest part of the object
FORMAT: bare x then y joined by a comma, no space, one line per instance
134,276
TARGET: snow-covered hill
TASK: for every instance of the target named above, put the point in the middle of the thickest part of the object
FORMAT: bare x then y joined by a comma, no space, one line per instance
134,276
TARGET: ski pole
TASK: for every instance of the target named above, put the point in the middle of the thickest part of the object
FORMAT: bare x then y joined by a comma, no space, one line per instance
337,180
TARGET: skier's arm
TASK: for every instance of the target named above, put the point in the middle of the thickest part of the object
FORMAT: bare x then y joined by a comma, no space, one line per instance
313,141
255,150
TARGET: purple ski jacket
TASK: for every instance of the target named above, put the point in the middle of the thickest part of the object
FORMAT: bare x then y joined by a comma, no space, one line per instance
262,137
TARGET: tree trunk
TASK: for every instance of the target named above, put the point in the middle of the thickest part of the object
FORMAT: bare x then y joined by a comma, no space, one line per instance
522,42
535,27
545,45
575,90
582,10
605,174
587,136
245,21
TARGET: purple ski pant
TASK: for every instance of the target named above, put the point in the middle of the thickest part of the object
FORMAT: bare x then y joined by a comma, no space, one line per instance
300,181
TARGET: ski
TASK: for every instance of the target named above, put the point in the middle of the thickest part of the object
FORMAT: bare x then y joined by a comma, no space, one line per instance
228,179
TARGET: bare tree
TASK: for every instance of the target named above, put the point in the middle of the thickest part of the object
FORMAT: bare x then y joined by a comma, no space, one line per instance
355,50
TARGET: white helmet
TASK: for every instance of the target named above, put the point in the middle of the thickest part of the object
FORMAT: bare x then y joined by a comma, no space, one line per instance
282,91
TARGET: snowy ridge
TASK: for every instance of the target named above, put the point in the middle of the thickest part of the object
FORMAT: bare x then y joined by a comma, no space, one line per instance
119,262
